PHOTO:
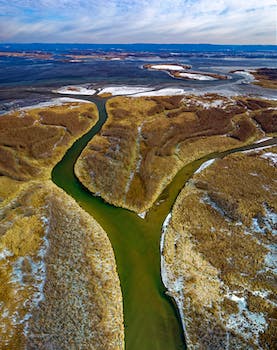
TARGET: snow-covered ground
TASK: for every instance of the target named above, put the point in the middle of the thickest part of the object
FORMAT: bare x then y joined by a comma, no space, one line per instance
246,74
167,67
162,92
196,76
54,102
174,286
75,90
245,323
123,90
137,91
207,102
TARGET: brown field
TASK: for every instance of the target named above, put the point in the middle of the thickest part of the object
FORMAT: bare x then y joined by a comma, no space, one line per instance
59,284
33,141
266,77
146,141
31,54
218,253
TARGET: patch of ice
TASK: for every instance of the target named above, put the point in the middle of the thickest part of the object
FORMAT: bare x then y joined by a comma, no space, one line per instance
162,92
247,75
196,76
167,67
123,90
54,102
166,223
204,166
142,215
75,90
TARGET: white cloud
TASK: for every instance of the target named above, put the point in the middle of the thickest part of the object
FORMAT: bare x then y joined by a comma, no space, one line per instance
179,21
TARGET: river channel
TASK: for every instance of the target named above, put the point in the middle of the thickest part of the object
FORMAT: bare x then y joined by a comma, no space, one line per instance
151,318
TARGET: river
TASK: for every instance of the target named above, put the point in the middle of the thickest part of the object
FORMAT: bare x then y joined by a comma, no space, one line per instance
151,319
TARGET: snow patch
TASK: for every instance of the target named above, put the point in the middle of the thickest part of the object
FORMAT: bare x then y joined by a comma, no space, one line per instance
208,201
264,139
204,166
166,223
270,261
207,102
246,323
270,156
36,273
142,215
123,90
138,162
196,76
256,150
167,67
266,223
75,90
248,77
173,285
162,92
5,253
54,102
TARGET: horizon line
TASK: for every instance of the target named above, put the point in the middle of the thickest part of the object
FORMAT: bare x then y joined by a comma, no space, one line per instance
131,43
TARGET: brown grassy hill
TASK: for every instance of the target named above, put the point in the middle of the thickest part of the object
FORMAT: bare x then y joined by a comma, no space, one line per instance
218,253
59,284
147,140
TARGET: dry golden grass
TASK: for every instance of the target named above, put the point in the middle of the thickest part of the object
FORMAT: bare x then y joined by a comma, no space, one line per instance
33,141
147,140
218,246
59,285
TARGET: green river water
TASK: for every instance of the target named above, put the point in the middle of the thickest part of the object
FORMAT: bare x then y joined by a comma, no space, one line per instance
151,319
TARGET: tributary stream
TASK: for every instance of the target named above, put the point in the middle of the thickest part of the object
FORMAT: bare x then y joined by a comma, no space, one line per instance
151,319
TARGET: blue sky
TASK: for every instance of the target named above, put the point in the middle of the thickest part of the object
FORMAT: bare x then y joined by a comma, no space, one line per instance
132,21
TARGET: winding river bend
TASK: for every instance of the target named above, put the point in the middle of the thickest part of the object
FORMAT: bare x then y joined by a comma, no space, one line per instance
151,319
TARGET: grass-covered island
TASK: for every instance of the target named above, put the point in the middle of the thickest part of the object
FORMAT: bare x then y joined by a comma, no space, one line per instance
147,140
